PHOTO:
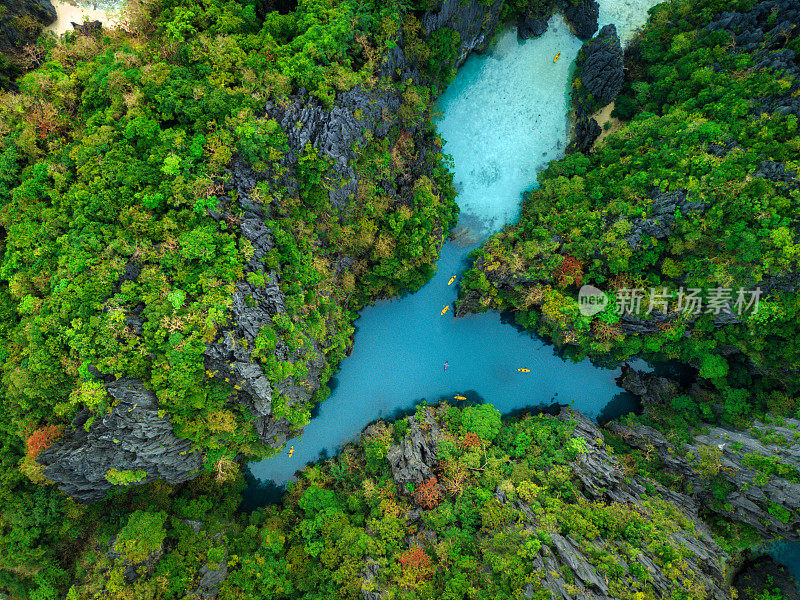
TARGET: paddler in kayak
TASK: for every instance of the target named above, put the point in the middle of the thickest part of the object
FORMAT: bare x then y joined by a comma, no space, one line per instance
446,364
555,60
452,279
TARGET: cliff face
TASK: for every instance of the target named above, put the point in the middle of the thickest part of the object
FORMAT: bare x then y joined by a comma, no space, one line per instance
567,567
133,443
750,476
21,21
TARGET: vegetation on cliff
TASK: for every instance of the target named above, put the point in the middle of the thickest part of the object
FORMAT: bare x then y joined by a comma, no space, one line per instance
698,191
446,503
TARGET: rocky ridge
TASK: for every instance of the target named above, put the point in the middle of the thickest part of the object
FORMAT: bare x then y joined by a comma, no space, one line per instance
751,476
600,73
133,438
414,459
21,22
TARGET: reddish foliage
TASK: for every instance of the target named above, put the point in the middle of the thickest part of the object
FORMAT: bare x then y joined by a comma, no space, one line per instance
569,271
471,440
44,120
429,494
42,439
415,559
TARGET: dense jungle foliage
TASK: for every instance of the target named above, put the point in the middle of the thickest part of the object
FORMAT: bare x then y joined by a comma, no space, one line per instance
468,541
112,151
701,133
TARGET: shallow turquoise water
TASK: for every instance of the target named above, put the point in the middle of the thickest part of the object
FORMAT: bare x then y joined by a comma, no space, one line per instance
504,119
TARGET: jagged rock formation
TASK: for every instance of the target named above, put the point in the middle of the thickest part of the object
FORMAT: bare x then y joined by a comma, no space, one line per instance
748,476
771,24
584,135
411,460
133,438
253,306
532,23
21,22
764,575
471,19
603,480
335,132
600,71
583,17
661,220
601,65
211,577
652,389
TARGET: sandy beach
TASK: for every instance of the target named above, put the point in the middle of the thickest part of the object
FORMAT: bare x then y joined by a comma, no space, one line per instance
602,117
69,11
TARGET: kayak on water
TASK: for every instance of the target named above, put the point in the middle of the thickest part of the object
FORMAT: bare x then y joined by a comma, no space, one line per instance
555,60
452,279
445,309
524,370
291,450
459,397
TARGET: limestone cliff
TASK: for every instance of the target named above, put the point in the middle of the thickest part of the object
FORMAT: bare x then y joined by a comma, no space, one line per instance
133,444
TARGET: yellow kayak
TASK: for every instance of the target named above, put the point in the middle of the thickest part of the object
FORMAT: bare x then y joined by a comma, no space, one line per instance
291,450
459,397
445,309
555,60
452,279
524,370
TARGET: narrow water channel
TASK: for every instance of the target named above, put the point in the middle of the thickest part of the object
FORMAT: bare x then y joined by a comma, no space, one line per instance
503,119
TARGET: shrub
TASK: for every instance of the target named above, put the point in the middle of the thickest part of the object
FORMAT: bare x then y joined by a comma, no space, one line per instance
42,439
429,494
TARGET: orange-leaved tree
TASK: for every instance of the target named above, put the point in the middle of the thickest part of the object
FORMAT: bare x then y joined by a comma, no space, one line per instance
41,439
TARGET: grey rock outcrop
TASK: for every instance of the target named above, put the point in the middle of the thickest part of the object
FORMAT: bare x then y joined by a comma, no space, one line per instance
211,577
765,575
586,132
369,589
473,20
661,219
651,388
411,460
531,23
748,462
21,22
766,30
604,480
132,437
582,16
601,68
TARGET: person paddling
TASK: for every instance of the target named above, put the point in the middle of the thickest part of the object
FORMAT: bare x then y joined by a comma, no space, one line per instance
446,364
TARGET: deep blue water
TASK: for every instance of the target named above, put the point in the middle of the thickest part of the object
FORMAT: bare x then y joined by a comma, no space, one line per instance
788,553
504,118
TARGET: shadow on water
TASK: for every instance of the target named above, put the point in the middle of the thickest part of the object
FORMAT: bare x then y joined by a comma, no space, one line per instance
504,118
621,404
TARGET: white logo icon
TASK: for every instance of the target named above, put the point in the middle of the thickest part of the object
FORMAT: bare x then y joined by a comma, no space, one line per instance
591,300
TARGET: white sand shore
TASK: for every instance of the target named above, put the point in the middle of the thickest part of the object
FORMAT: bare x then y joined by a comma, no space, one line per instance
69,10
602,117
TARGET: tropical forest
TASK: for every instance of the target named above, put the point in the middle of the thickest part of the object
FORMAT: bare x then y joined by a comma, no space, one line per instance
400,299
